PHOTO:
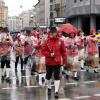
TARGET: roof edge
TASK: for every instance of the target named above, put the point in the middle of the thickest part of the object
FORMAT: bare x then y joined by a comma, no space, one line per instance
37,3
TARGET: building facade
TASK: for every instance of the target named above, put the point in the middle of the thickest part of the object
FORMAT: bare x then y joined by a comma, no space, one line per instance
24,20
14,23
3,14
32,17
84,14
57,9
28,18
25,17
54,10
43,13
47,10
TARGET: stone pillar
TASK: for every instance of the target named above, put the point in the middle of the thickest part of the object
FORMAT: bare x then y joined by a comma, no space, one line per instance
92,22
79,22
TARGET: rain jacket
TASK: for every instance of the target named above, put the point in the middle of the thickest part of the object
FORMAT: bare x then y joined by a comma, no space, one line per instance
38,46
5,45
80,42
56,46
92,45
72,46
29,45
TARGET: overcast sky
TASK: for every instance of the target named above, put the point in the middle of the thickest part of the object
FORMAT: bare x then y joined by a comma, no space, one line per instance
14,6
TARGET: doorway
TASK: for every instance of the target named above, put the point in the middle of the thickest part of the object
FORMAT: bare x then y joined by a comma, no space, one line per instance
86,25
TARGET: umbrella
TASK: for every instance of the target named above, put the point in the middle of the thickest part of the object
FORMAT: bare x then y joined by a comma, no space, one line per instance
67,28
33,33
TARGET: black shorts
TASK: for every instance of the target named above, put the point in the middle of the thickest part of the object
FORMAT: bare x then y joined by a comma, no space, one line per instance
53,70
5,60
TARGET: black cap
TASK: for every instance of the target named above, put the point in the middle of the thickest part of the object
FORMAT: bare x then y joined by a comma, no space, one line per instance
34,28
28,32
53,29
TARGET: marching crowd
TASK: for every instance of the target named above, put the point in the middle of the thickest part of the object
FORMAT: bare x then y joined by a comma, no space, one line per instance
49,52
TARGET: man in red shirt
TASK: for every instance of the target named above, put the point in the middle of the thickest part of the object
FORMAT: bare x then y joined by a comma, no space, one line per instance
55,54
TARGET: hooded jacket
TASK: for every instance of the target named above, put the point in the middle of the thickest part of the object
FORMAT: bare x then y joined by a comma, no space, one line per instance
92,45
56,46
72,47
5,45
91,40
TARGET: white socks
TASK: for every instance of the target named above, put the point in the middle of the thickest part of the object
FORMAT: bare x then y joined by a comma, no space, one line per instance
28,81
49,84
7,72
75,74
82,63
44,75
62,68
57,84
2,71
40,78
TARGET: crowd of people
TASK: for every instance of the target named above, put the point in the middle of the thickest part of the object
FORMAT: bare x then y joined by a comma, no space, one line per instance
47,53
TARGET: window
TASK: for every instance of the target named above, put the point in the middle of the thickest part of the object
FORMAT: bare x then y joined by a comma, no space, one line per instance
51,7
51,15
75,1
51,0
81,0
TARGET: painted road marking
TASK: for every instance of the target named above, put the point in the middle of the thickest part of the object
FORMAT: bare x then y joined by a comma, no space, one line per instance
71,83
97,95
32,86
64,99
9,88
82,97
88,82
84,82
